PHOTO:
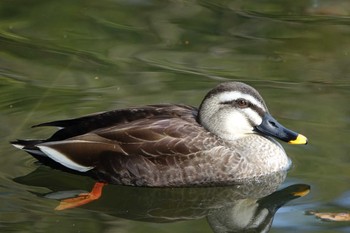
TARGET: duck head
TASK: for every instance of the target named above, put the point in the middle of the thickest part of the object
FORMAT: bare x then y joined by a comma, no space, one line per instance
234,110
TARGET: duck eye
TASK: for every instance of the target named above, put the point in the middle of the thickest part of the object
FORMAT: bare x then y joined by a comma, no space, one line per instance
242,103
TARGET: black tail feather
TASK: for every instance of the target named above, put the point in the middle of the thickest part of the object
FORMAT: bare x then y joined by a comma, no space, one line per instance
26,144
30,147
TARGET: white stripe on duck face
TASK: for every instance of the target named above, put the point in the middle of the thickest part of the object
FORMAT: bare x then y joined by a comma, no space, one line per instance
62,159
234,95
253,116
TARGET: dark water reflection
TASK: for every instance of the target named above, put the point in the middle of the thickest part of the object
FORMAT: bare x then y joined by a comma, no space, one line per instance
249,206
63,59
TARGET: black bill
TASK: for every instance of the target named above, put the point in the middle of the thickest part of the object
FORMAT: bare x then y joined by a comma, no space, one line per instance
270,126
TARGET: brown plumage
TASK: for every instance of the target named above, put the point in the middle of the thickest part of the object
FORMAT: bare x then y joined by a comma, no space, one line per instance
170,145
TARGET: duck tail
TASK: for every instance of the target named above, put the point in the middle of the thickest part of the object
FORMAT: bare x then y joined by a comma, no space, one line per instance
27,145
30,146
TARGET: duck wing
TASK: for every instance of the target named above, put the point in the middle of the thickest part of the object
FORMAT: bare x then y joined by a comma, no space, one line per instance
78,126
85,143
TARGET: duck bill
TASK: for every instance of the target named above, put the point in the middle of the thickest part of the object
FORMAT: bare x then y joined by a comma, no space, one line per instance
270,126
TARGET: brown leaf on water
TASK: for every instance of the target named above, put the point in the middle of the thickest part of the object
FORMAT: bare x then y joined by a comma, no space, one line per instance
330,216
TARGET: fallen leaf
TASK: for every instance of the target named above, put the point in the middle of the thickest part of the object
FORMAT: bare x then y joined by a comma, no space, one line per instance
329,216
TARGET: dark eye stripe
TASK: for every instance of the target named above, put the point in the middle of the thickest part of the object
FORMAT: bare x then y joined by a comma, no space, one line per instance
238,102
260,111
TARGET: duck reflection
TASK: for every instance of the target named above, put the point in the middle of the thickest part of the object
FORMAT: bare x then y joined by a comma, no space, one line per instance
254,215
246,207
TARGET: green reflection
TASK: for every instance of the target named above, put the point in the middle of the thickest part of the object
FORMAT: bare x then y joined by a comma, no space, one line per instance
62,59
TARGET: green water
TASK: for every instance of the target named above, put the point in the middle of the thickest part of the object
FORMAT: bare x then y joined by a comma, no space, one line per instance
63,59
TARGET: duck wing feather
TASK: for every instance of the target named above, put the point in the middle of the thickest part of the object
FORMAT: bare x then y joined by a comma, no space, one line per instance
78,126
156,131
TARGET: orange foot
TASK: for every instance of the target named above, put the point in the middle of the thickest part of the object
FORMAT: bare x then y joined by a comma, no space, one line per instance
82,198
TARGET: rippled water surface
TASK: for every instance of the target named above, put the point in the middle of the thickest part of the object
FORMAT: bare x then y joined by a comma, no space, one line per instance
63,59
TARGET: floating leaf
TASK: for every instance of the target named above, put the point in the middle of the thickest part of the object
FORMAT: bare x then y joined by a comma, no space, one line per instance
330,216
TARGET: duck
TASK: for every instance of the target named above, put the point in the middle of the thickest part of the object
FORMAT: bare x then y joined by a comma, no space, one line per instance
228,139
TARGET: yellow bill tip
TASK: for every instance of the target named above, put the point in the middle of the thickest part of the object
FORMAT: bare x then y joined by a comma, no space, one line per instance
301,139
301,193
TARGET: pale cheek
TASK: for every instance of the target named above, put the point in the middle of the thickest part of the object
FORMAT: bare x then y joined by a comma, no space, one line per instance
237,123
253,116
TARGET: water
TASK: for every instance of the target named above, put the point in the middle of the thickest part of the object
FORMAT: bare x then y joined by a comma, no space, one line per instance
69,58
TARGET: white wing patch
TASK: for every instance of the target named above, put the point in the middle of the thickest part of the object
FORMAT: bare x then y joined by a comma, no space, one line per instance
63,159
